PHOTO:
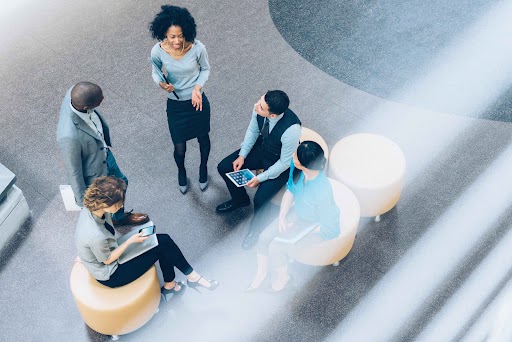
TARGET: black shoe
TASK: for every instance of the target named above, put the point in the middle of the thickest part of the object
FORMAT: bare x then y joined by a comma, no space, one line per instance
230,205
182,181
250,240
195,284
172,293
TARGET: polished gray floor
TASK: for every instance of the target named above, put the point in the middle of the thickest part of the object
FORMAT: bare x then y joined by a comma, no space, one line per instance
382,47
405,273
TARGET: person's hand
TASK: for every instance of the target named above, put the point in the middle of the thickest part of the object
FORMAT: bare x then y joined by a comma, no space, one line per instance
253,182
137,238
197,98
238,163
167,87
283,224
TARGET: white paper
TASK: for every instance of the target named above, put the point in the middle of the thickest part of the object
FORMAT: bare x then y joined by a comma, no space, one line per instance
68,198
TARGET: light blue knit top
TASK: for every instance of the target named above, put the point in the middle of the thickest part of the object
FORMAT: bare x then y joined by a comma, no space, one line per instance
184,74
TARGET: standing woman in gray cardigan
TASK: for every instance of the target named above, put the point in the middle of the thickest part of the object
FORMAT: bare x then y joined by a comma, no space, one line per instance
186,61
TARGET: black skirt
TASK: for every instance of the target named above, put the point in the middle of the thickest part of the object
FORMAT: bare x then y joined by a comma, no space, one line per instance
185,122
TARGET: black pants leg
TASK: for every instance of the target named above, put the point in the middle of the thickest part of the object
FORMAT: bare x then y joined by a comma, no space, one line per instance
264,211
171,256
253,161
167,252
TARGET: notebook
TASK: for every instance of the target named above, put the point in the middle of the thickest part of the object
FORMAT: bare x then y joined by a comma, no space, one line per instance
136,249
295,235
68,197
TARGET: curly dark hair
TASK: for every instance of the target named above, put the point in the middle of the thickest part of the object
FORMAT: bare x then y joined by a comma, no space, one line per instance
173,15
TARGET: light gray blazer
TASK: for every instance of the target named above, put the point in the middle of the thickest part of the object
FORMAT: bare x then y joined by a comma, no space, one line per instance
82,150
94,244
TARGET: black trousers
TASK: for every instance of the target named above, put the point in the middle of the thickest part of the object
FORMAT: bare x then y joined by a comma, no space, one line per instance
264,211
167,252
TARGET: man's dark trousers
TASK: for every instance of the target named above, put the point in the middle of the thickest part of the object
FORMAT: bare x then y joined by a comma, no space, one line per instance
263,213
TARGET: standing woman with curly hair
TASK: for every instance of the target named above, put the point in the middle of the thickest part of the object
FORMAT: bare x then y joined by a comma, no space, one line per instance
186,61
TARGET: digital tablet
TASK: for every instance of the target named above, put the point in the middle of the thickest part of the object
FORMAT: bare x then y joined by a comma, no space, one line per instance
295,235
240,177
136,249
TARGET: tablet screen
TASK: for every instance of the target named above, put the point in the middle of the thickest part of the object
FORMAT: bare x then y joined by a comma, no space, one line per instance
241,177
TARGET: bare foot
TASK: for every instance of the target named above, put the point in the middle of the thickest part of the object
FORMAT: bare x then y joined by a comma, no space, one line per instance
193,278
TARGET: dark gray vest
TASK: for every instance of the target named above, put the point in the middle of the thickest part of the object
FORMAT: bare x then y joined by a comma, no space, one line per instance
272,144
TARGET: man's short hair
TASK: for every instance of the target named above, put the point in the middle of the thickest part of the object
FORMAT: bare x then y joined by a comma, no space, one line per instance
86,94
277,101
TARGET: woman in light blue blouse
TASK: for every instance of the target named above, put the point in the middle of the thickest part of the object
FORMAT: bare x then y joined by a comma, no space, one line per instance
186,61
308,201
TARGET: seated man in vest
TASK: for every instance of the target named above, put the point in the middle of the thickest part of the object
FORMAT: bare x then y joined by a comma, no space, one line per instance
270,141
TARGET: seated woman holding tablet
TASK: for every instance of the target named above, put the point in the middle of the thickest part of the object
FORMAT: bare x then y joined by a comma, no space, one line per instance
308,215
100,252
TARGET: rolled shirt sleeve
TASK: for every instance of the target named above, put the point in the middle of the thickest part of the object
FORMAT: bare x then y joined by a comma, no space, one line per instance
289,141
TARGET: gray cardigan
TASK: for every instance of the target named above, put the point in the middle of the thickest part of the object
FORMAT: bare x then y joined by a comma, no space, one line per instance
184,74
82,149
94,244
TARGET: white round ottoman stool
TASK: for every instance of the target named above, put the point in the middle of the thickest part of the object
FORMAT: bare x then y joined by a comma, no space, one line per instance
373,167
330,252
309,134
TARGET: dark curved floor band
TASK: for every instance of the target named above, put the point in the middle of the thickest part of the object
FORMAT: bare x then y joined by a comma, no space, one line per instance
381,47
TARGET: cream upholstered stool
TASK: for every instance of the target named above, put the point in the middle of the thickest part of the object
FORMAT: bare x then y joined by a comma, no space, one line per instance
306,134
115,311
309,134
332,251
373,167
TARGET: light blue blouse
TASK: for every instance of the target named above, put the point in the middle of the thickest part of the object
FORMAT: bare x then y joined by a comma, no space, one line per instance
314,202
192,69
